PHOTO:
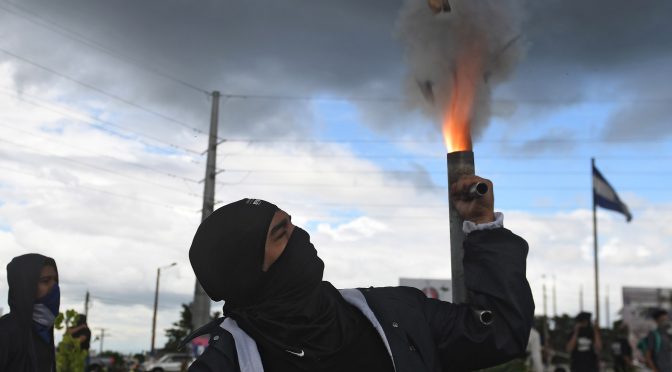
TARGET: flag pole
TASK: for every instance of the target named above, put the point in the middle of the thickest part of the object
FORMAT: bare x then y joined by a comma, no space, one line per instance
597,276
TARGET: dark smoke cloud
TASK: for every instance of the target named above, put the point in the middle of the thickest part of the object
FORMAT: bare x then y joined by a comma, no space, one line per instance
607,51
297,49
435,44
576,51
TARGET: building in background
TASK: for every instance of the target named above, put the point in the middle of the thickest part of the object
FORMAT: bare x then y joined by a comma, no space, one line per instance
637,306
440,289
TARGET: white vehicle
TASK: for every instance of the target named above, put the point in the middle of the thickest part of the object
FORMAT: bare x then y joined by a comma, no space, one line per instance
169,363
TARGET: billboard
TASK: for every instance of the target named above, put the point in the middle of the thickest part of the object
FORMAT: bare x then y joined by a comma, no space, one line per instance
440,289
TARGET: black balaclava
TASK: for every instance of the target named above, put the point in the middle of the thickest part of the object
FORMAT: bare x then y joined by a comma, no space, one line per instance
288,310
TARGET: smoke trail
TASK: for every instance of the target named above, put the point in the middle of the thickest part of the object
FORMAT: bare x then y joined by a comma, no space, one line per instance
481,32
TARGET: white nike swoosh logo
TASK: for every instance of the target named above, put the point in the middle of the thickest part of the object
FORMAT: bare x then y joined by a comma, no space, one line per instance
300,355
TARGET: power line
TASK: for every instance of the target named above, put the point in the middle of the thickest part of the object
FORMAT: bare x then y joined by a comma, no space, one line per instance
78,117
443,157
439,140
76,36
127,302
102,169
88,188
443,219
51,139
410,186
439,206
398,100
103,92
441,172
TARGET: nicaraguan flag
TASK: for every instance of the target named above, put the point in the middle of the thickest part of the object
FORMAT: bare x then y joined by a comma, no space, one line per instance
605,196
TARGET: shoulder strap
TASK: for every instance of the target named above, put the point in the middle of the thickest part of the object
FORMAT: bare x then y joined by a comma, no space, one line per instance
204,330
219,356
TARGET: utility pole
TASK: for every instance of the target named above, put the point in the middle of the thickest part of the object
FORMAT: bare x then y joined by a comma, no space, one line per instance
86,305
545,330
156,303
555,300
200,310
543,288
581,298
597,272
606,308
102,338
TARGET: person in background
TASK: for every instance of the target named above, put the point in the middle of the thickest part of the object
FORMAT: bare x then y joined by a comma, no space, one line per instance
659,350
621,349
82,333
27,332
584,345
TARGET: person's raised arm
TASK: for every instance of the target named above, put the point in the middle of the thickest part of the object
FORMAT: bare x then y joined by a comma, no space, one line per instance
571,344
598,339
494,325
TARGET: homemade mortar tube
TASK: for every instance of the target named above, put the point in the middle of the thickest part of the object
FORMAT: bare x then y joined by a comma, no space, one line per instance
460,163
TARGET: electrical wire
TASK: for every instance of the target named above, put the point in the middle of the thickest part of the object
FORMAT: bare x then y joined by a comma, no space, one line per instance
78,117
443,157
76,36
102,91
355,185
93,189
440,172
439,140
54,140
99,168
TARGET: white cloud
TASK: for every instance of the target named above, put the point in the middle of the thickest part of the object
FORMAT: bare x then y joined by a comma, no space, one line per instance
352,231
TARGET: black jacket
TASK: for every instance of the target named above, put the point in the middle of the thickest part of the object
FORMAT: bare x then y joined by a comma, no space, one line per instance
21,348
430,335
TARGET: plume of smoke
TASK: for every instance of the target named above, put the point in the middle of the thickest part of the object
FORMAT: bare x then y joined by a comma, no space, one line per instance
433,44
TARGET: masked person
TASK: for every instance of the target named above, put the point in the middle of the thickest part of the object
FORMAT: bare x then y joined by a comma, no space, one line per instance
27,332
621,350
584,345
659,348
279,315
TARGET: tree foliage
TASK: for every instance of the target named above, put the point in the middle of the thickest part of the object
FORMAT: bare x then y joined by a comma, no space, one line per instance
180,330
69,356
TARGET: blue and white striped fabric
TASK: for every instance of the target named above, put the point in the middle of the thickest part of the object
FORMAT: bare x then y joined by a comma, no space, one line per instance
605,196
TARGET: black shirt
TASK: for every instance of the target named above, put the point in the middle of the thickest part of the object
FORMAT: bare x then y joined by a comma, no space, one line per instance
368,353
621,349
584,358
44,352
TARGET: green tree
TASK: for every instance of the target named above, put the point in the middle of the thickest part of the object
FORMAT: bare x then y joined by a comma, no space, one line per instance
69,356
180,330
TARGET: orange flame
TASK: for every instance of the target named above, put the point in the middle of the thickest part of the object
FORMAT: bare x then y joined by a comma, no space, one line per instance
456,124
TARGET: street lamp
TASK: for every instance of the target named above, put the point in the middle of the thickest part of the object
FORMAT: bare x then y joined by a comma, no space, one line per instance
156,301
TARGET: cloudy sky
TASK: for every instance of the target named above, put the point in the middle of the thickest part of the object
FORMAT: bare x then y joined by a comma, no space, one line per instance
104,108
